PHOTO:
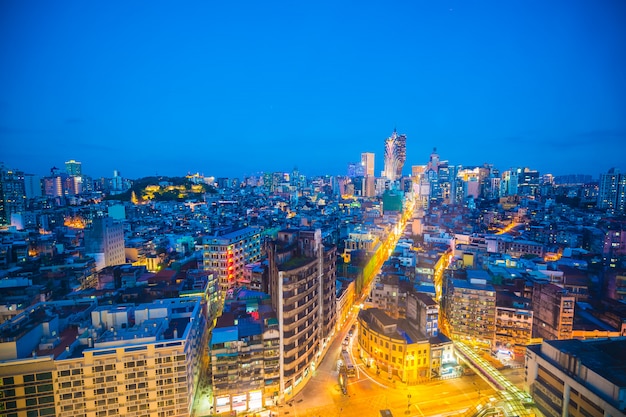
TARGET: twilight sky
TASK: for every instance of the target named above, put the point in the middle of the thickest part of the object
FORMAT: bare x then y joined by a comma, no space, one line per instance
230,88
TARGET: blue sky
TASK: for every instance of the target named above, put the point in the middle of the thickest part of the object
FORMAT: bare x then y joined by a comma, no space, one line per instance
234,88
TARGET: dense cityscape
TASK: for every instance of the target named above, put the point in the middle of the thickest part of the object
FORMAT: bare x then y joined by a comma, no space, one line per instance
436,289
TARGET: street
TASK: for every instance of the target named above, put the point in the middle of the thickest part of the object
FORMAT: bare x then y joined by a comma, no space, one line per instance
368,393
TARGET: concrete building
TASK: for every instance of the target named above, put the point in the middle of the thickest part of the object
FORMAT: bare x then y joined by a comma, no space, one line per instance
12,194
470,307
244,350
553,312
514,325
74,359
397,348
423,310
104,241
578,377
302,274
227,255
612,191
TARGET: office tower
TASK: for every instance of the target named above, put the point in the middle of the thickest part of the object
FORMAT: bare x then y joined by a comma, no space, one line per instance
228,254
553,312
73,168
470,307
352,169
302,272
578,377
117,182
612,191
395,156
528,182
77,359
104,241
32,186
509,183
12,194
367,161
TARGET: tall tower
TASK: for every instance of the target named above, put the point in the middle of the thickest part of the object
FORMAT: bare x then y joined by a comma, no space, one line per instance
612,191
395,156
367,161
400,153
104,241
302,274
12,194
73,168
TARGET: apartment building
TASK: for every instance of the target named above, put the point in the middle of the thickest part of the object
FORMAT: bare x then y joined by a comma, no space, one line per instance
73,358
578,378
302,273
227,255
553,312
471,311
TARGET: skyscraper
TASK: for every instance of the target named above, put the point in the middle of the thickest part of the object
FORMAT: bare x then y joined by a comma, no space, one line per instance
104,241
367,161
12,194
395,156
73,168
612,191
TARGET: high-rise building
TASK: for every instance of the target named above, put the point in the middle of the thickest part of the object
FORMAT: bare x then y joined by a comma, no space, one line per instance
424,311
612,191
12,194
104,241
302,273
578,377
395,156
227,255
514,323
470,307
367,161
32,186
75,359
73,168
553,312
244,350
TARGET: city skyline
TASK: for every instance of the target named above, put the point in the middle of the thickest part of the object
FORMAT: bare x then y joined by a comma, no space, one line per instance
234,89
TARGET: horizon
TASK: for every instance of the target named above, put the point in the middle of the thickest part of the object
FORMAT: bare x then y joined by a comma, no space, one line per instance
228,90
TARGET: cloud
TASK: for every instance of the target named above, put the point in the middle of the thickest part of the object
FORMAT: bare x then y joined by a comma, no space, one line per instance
73,121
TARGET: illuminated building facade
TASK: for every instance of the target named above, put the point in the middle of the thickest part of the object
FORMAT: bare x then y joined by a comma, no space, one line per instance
244,350
612,191
228,254
367,161
395,156
553,312
12,194
302,272
396,347
471,310
74,168
76,359
104,241
514,324
424,311
578,378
